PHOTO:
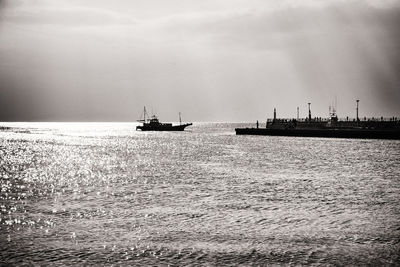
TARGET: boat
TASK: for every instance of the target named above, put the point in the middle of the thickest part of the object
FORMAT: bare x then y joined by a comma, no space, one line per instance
332,127
153,124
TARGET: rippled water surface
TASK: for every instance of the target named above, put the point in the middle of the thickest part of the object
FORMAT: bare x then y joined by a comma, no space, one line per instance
90,193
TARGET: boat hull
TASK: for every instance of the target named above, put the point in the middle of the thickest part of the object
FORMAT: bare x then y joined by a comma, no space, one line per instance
329,133
170,128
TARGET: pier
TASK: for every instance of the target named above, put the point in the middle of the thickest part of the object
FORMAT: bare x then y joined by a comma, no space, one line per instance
333,127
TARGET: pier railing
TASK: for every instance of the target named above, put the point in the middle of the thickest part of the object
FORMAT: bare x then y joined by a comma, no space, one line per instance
375,123
347,119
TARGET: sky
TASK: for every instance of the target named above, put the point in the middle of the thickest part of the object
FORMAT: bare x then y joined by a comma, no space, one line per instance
212,60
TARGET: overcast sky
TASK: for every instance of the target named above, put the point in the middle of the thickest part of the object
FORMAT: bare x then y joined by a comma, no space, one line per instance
213,60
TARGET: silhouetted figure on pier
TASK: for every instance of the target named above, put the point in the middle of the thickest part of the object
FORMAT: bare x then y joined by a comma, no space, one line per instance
257,124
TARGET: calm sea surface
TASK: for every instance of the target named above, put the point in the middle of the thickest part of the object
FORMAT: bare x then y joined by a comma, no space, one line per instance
103,193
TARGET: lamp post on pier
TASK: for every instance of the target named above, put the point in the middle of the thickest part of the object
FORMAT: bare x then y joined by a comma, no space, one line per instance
357,101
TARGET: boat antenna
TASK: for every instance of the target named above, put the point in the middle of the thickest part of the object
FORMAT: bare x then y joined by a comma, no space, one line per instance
180,120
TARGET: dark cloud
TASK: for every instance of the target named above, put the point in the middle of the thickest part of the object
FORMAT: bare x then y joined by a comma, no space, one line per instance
16,104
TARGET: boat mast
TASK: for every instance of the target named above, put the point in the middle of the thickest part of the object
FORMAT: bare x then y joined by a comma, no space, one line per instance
144,114
180,120
335,104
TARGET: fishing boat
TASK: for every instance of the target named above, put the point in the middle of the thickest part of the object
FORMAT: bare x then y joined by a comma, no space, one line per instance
153,124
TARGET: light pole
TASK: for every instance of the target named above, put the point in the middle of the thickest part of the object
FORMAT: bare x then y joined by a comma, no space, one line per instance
357,110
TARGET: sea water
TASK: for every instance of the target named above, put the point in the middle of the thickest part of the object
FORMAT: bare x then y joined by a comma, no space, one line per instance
103,193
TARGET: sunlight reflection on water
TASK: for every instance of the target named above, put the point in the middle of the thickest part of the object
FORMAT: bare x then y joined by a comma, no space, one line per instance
92,193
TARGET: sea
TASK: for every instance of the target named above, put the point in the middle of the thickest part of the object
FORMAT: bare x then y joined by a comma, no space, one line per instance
106,194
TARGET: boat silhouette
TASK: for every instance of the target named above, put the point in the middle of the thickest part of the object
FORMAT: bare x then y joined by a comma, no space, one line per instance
153,124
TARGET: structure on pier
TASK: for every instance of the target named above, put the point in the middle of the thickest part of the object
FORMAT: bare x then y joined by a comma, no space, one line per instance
381,128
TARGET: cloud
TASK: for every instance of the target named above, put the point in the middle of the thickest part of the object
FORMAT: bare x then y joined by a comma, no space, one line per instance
65,15
100,59
249,25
